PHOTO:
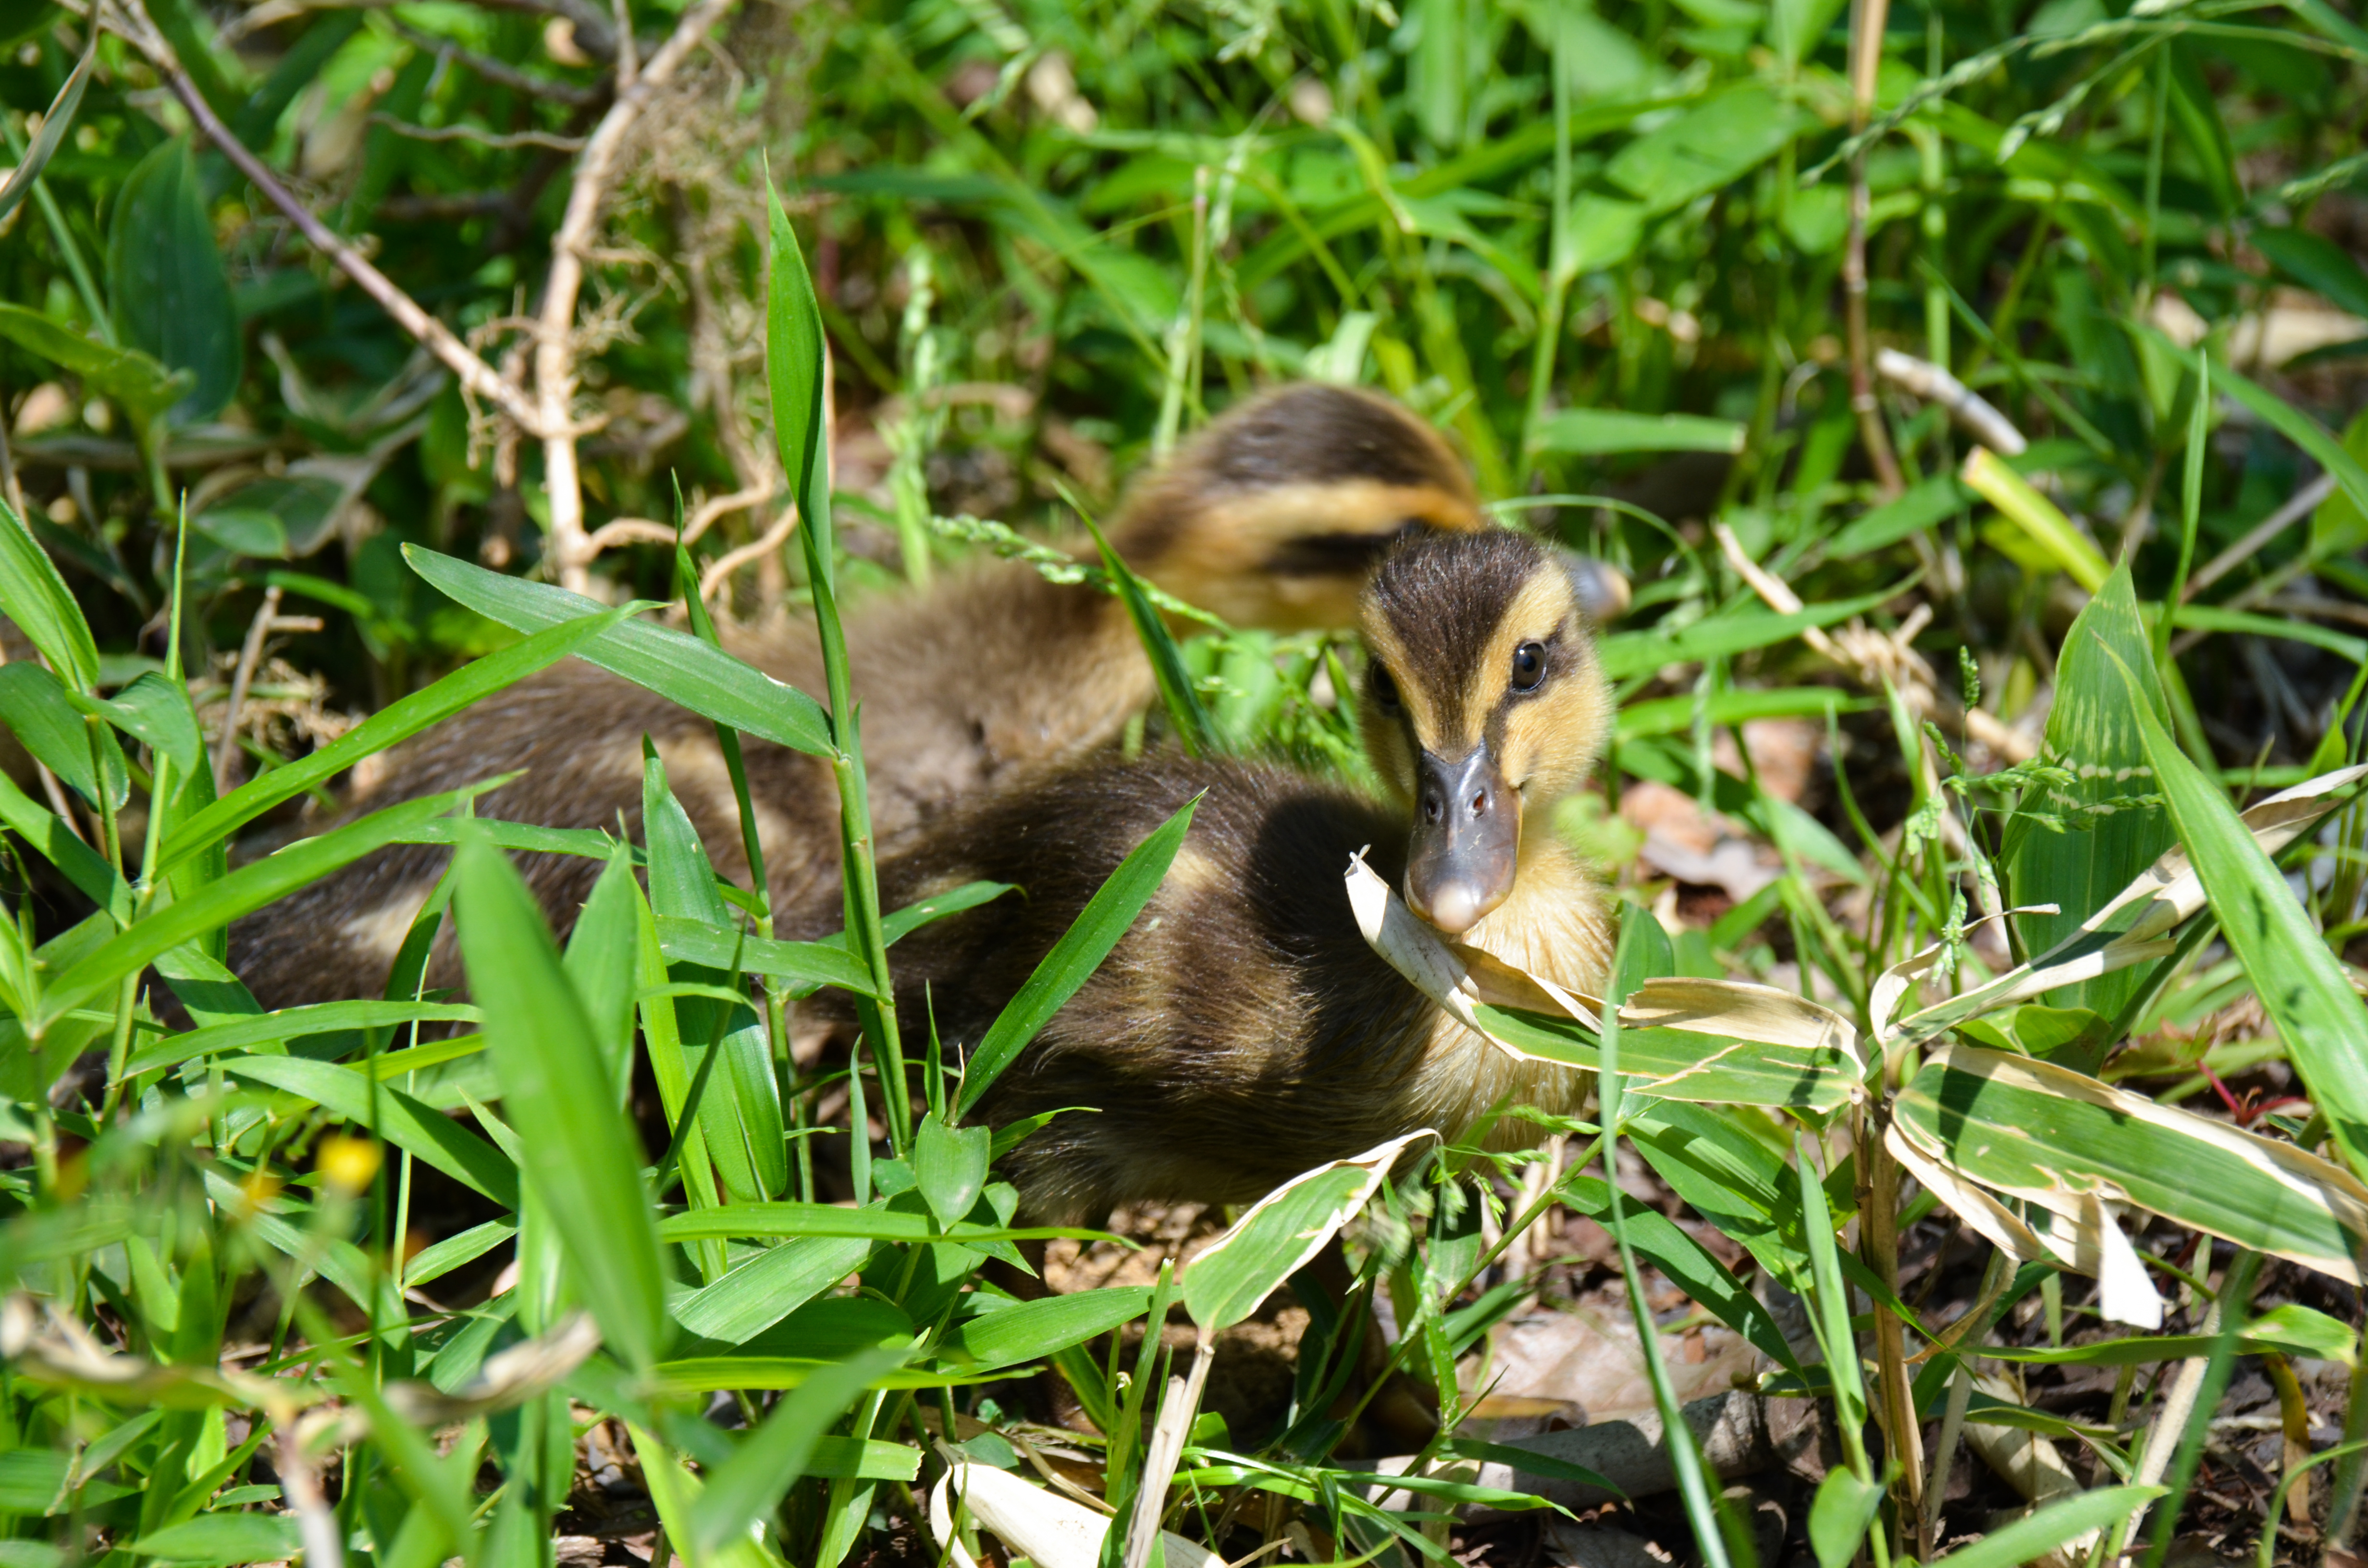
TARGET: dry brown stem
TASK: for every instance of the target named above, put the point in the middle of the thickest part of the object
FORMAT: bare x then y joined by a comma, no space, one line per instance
555,347
1867,17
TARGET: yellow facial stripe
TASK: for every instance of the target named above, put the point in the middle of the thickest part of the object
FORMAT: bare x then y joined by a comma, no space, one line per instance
1543,607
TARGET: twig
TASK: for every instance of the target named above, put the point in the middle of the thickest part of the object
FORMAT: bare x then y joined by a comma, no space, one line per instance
719,570
628,530
554,353
267,620
2300,505
1866,57
1969,408
476,376
505,140
498,73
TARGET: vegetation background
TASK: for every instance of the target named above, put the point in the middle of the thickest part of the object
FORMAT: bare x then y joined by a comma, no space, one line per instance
1876,344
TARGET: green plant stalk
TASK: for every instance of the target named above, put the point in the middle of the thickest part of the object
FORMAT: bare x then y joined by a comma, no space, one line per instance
2154,178
2190,503
1880,1246
1558,272
1181,383
1831,1323
1685,1455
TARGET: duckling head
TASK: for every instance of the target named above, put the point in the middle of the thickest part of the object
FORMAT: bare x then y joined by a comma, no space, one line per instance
1486,703
1274,515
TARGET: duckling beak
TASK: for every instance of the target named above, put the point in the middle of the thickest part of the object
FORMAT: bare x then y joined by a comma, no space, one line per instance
1467,838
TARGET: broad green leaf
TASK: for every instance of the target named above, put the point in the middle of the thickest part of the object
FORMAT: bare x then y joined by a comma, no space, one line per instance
222,1538
674,1491
1942,496
1106,917
1607,432
291,1024
55,121
793,375
242,892
2292,1329
599,961
949,1165
35,598
155,712
682,668
718,946
393,1115
1707,146
584,1161
324,33
1032,1330
2103,839
1795,28
171,295
2054,1525
433,1263
750,1484
740,1111
1281,1233
768,1288
1838,1515
39,711
2341,524
48,836
2053,1136
397,722
2301,984
126,376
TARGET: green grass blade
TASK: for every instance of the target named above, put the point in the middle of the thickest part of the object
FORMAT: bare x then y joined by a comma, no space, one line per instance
584,1160
2029,1540
36,599
399,1119
1087,941
291,1024
749,1485
2300,985
1193,729
678,667
242,892
2104,841
398,720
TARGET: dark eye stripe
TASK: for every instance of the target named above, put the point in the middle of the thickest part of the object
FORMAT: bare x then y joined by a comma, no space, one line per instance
1334,554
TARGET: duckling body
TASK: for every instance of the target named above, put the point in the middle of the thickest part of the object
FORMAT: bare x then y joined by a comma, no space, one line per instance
1271,517
1243,1030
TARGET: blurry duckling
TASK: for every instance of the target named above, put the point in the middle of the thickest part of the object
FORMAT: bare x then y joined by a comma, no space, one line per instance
1242,1031
1271,518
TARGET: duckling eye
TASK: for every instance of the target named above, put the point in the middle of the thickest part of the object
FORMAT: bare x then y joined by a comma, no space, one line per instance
1382,688
1529,667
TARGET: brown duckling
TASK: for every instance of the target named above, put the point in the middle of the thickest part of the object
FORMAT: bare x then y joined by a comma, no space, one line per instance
1271,518
1242,1031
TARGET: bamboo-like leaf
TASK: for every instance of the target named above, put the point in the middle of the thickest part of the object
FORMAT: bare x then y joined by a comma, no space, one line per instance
2101,839
291,1024
687,939
2031,1538
2042,1133
35,598
1106,918
749,1486
768,1288
39,709
155,712
1987,474
171,295
143,386
1281,1232
1032,1330
242,892
584,1161
680,668
55,121
1193,729
1630,654
2300,985
793,375
397,722
393,1115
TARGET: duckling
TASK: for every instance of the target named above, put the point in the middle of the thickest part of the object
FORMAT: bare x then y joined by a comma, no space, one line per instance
1242,1031
1271,517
